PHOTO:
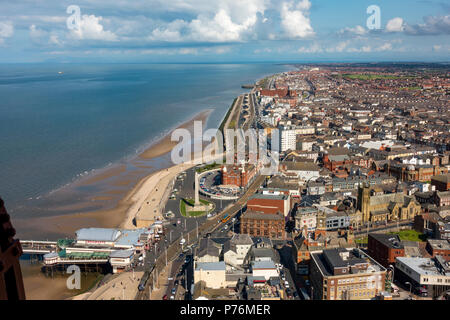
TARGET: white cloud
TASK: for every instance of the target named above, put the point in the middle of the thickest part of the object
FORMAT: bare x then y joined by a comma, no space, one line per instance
395,25
315,48
53,39
37,34
42,37
6,30
295,19
432,26
340,47
219,21
358,30
385,47
91,29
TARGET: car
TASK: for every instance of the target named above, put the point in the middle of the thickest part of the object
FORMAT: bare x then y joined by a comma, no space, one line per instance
174,290
421,291
165,297
172,297
307,282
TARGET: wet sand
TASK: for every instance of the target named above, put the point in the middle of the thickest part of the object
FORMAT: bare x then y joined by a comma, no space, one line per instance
65,225
120,185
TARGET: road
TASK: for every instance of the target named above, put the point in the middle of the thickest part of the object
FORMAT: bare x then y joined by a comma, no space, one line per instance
289,273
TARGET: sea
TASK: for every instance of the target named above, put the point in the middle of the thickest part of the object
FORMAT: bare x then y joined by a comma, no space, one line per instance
62,122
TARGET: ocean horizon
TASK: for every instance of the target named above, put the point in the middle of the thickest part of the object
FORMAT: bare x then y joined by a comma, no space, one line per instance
63,122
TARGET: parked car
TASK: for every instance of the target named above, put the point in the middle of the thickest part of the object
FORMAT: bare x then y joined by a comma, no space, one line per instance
172,297
421,291
174,290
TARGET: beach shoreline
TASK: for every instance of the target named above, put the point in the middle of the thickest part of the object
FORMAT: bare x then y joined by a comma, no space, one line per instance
120,216
65,225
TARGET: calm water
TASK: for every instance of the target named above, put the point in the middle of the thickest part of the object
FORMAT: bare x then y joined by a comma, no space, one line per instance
55,127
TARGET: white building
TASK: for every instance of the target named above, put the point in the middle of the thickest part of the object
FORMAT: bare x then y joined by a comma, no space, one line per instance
288,139
266,269
121,259
305,171
236,249
211,273
303,130
425,271
306,217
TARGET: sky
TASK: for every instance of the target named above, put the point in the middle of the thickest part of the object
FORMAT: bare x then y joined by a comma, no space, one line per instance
230,31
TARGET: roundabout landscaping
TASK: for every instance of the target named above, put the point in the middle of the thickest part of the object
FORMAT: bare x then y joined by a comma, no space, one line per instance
188,210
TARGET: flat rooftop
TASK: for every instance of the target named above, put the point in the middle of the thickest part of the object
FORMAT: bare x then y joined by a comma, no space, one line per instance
424,266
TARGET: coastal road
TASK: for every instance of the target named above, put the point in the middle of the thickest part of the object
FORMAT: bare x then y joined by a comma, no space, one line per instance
186,190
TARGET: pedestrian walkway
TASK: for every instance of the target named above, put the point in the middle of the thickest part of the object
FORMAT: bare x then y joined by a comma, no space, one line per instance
159,291
122,287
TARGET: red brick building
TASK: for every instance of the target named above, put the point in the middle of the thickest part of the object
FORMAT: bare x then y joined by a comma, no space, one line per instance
438,247
238,175
270,203
331,162
260,224
442,182
384,248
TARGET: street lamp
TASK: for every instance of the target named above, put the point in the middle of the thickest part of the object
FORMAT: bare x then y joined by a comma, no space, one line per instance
410,287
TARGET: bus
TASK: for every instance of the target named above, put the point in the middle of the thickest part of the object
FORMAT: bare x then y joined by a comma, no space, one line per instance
226,218
143,281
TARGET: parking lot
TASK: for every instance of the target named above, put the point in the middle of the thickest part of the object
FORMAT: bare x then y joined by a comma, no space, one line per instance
210,182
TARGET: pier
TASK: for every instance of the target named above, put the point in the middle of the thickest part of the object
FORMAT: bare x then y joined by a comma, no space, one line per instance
38,247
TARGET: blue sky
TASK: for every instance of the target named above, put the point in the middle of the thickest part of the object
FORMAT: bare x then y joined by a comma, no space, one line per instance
222,31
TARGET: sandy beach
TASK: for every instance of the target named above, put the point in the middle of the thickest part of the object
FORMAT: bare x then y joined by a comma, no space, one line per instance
133,197
130,188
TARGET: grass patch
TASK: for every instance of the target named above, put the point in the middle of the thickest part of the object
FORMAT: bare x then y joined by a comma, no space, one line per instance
364,240
208,167
190,202
222,125
410,235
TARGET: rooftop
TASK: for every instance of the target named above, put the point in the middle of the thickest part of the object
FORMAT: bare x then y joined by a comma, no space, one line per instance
211,266
389,240
97,234
424,266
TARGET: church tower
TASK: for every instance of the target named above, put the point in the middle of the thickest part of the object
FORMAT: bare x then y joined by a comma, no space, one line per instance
364,201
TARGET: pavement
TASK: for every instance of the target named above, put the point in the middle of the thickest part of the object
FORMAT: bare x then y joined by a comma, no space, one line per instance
121,287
